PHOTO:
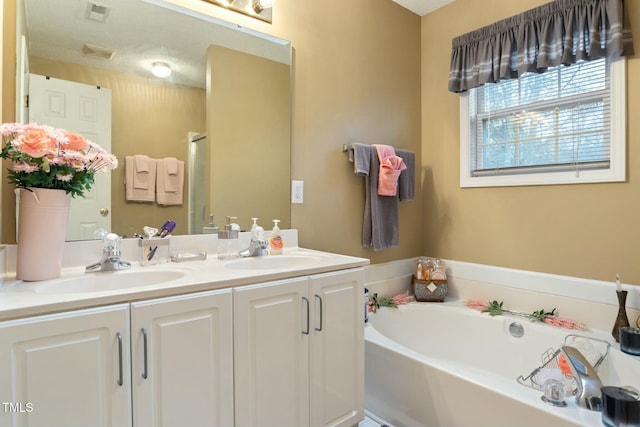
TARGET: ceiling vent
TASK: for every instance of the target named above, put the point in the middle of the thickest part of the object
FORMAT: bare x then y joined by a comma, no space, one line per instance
98,51
97,12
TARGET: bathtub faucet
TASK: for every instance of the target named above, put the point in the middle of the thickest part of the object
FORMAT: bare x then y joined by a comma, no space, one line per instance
588,395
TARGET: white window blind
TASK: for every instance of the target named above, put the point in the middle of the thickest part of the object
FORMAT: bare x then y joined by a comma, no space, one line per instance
566,126
558,120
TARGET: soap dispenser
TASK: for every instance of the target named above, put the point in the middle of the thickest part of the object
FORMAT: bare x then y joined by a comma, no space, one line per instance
210,228
275,241
257,232
228,240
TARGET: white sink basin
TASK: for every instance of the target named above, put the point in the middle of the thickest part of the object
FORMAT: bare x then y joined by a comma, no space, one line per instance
273,262
106,281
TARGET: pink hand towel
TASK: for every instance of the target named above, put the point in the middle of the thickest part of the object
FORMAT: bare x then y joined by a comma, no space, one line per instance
390,168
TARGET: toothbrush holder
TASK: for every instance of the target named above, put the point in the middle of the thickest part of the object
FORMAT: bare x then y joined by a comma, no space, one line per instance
621,320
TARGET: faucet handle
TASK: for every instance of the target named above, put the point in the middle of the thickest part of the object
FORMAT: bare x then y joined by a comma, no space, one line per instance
588,395
111,241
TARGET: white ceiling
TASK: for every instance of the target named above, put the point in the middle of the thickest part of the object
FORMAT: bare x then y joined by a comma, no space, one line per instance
140,33
422,7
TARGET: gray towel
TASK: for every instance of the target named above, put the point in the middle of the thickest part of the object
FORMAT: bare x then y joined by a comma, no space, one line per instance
380,227
406,182
361,158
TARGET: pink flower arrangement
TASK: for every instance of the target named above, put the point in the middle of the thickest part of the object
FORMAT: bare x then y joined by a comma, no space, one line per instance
46,157
494,308
376,302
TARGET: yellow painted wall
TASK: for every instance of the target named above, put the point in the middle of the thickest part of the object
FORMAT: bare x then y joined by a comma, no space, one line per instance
356,78
248,130
590,231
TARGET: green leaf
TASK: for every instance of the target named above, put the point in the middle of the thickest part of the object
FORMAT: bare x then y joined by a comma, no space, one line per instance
494,308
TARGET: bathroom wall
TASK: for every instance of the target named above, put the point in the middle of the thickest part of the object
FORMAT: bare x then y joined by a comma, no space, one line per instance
244,135
356,78
590,231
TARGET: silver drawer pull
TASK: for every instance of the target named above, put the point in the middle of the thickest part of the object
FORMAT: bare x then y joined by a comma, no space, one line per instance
145,372
319,298
306,300
120,366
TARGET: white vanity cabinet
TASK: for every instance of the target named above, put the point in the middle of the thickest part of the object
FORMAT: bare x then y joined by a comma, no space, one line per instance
299,351
167,361
67,369
287,353
182,360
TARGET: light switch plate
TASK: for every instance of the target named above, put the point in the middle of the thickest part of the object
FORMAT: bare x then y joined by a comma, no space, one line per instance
297,191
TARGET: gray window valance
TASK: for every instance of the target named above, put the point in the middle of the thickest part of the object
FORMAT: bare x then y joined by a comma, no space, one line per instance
560,32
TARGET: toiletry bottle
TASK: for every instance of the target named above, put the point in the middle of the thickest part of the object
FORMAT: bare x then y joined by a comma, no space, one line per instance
275,242
257,232
210,228
228,240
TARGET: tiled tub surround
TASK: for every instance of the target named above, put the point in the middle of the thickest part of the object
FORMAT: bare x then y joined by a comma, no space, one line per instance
415,366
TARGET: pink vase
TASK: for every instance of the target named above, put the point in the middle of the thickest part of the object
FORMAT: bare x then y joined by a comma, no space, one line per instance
42,227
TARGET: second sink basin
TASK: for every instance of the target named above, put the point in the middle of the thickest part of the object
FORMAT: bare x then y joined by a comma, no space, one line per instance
273,262
107,281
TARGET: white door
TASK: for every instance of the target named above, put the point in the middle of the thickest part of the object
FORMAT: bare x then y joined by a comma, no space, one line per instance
86,110
272,332
67,369
182,361
337,349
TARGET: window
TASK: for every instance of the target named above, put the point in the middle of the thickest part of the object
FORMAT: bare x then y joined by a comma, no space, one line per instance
563,126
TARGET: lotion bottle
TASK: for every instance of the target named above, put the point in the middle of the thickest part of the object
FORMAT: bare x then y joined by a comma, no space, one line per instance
275,241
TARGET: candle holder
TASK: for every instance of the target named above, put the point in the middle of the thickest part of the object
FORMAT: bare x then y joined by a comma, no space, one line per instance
622,319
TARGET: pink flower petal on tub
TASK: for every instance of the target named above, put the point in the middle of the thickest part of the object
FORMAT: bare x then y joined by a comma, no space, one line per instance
477,304
564,323
401,299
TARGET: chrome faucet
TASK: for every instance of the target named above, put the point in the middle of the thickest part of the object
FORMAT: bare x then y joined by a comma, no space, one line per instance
110,256
256,247
588,394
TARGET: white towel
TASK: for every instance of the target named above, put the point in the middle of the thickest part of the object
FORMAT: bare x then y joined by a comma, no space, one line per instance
141,175
169,187
137,193
172,165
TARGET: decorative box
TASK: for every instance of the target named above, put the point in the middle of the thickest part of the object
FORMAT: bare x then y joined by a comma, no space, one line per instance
432,290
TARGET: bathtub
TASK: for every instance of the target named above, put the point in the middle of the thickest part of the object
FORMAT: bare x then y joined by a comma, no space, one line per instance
445,365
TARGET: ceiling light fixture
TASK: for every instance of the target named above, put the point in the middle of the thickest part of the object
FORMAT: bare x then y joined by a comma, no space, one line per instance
260,5
161,69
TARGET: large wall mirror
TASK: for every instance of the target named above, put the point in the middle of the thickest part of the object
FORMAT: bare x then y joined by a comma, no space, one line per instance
225,110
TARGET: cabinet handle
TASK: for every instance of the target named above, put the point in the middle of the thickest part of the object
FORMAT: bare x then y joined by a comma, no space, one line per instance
120,367
145,372
306,300
319,298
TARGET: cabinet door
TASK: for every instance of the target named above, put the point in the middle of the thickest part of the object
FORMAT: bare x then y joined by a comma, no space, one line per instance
337,349
272,329
182,360
67,369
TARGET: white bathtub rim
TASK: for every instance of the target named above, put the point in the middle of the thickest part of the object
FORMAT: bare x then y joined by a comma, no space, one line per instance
546,283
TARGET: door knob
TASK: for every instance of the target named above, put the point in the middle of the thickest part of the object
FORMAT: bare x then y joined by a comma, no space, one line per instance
104,211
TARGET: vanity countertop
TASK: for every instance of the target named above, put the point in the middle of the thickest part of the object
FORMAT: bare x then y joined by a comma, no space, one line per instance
21,299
